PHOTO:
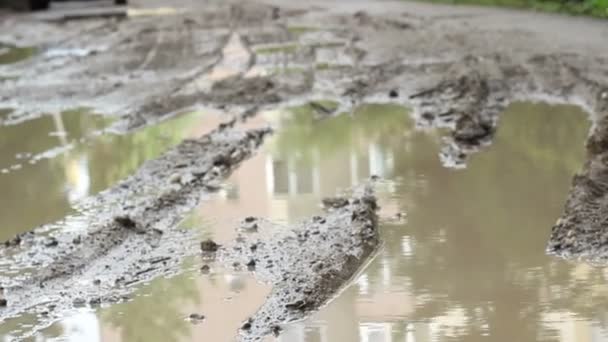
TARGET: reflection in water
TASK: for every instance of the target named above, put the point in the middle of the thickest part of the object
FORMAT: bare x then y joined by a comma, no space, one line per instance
151,317
468,264
50,163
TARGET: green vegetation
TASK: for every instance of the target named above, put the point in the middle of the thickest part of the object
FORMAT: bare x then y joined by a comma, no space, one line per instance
299,30
12,54
596,8
287,49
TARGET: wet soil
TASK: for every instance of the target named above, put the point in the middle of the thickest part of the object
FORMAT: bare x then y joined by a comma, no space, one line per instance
306,265
457,68
580,233
125,234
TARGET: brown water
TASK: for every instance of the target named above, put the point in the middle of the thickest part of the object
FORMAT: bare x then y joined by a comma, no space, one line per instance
466,264
50,163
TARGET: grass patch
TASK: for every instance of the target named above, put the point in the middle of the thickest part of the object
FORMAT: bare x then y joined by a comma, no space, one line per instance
594,8
11,54
299,30
277,49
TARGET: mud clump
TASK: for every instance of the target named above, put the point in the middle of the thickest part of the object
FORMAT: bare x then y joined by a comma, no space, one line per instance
334,202
196,318
209,246
307,264
470,131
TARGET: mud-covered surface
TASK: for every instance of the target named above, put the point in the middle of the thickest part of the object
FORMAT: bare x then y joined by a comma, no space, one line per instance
307,265
123,236
240,55
457,68
580,233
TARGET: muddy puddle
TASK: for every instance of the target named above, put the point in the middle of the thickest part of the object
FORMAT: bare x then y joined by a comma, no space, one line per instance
69,156
463,250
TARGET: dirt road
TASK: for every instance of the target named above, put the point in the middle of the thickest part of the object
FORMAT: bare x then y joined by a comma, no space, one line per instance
456,67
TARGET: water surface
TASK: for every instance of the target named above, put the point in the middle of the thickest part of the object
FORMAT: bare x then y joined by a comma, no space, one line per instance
467,262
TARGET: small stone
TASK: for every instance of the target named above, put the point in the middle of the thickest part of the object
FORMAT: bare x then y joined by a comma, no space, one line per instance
77,240
3,303
428,116
251,265
52,242
276,330
393,93
205,269
125,221
251,227
196,318
334,202
79,301
209,246
175,178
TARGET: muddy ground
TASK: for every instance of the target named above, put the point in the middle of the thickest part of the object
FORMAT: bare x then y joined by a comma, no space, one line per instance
457,68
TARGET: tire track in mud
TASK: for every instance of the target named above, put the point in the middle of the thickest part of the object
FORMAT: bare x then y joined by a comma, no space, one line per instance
307,264
464,91
124,235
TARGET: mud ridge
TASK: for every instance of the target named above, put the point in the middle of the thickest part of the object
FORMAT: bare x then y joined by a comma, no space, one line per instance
307,264
580,232
123,236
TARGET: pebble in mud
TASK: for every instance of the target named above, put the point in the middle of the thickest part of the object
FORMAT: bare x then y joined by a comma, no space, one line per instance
52,242
209,246
276,330
205,269
196,318
251,265
3,301
334,202
247,325
125,222
250,224
471,130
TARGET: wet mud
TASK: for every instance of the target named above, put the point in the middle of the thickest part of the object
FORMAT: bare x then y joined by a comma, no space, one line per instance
124,235
245,58
580,233
307,264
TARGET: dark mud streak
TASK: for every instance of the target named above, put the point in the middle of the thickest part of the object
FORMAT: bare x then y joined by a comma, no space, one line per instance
307,264
129,233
